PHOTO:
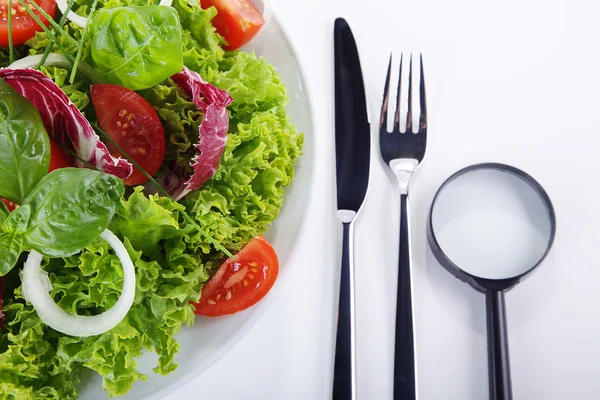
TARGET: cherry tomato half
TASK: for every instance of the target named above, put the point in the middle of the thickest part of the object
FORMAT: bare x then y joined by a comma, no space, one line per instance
23,26
240,282
58,157
131,122
9,204
237,21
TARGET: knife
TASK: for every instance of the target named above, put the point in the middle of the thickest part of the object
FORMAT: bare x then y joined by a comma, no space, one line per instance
352,150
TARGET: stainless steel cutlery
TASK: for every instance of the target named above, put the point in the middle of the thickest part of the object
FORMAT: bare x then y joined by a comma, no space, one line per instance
352,145
404,152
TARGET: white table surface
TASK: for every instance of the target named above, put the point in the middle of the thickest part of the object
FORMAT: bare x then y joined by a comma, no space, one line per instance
516,81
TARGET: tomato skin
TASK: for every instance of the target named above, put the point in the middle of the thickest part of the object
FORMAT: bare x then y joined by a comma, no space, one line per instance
131,122
241,282
23,26
9,204
58,157
237,21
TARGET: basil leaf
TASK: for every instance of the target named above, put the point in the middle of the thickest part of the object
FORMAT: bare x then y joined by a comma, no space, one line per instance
17,221
138,46
24,145
3,212
11,247
71,207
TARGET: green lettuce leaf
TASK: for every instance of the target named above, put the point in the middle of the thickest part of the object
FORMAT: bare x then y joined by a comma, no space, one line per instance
246,193
254,85
172,260
75,91
181,119
36,361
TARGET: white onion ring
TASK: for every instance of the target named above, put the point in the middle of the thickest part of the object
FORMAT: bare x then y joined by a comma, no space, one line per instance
77,19
82,21
36,287
56,60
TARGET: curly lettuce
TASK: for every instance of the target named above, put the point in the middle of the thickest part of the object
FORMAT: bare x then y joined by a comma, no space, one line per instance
171,258
37,362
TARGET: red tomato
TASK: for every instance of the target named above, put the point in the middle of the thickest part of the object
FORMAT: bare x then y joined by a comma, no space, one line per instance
240,282
237,21
131,122
58,157
9,204
23,26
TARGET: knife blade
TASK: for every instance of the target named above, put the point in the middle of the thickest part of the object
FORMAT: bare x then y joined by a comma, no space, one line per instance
352,128
353,152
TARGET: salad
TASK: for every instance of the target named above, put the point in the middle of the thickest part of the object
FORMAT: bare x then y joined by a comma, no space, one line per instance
142,157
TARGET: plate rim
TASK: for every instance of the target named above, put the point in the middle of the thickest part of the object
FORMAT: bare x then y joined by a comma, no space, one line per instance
193,373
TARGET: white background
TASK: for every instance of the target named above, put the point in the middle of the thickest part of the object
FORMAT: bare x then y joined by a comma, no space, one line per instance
513,81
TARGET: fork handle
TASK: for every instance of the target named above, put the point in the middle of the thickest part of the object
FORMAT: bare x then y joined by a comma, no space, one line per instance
344,382
405,387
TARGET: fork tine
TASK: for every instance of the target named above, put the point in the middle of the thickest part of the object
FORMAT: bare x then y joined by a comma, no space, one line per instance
423,103
386,98
397,114
409,111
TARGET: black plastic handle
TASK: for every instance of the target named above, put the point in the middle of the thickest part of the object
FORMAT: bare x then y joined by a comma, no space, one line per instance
404,355
343,369
498,357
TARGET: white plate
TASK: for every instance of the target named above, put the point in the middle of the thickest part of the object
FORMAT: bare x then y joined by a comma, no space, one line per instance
210,338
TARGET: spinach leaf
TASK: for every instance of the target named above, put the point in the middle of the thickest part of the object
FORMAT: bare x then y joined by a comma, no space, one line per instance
24,145
138,46
70,207
11,247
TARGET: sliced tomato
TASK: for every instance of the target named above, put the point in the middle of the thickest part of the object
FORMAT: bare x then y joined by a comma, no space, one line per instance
237,21
133,124
23,25
240,282
58,157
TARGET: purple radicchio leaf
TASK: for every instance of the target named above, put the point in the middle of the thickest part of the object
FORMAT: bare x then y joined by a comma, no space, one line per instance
213,131
64,121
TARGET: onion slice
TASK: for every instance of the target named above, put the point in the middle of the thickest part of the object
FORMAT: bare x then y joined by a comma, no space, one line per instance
82,21
77,19
56,60
36,287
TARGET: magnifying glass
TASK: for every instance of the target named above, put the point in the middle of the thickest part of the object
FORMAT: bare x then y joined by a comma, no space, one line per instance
491,225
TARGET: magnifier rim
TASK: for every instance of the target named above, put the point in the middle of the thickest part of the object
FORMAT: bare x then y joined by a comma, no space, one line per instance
477,281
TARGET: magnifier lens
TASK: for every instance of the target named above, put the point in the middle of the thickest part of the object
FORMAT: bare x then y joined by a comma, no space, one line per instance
491,223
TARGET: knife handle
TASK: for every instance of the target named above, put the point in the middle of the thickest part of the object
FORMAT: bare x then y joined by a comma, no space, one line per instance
344,370
405,387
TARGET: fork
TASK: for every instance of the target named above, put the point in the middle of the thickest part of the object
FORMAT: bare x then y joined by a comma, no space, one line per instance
404,152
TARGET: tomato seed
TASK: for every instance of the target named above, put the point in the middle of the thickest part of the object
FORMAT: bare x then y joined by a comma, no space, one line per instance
228,296
245,282
211,302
